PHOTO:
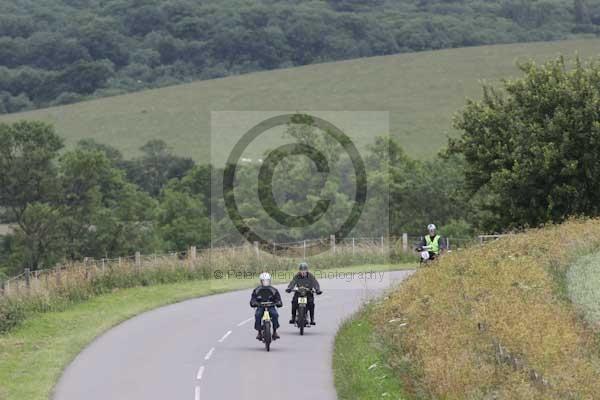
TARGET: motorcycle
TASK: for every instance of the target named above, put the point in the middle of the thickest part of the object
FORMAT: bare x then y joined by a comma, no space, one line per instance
301,320
266,324
425,256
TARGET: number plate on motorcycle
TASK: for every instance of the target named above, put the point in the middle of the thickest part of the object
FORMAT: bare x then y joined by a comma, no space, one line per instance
302,300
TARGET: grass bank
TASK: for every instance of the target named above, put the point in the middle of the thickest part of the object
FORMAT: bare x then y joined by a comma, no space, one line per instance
492,321
360,366
34,354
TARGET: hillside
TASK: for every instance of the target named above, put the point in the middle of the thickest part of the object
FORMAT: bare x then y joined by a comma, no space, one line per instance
420,90
56,52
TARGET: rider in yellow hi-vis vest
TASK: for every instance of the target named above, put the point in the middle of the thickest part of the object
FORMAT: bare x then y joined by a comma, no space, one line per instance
432,245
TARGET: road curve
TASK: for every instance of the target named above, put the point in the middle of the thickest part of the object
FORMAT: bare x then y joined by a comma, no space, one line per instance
205,349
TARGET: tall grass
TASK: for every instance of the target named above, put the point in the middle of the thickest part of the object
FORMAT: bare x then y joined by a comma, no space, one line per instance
58,288
446,321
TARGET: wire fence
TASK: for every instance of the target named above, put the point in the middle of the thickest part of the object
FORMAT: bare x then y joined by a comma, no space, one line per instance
210,259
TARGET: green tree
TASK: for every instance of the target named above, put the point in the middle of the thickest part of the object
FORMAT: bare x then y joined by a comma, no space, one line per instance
112,153
89,184
532,150
127,224
27,171
183,221
29,189
85,77
419,192
39,243
103,215
156,167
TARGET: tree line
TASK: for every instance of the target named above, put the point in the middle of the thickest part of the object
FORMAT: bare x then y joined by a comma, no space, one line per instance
58,52
89,201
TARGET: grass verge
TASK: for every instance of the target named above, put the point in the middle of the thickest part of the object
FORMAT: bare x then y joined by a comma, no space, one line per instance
34,354
360,367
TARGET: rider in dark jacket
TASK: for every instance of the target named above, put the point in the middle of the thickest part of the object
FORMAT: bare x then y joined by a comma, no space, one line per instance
304,279
263,293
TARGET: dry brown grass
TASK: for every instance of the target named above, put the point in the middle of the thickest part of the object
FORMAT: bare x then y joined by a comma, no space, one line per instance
513,289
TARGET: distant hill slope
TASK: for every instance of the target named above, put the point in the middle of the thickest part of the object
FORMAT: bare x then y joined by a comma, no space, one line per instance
420,90
57,52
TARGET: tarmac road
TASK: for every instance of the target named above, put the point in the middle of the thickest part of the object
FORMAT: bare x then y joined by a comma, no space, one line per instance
205,349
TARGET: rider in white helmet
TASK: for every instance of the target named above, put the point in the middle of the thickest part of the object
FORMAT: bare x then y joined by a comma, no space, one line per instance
265,292
432,244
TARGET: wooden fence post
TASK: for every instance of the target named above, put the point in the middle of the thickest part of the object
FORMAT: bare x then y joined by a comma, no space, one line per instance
256,249
138,259
28,278
193,253
353,246
58,280
332,240
304,249
405,242
447,243
382,246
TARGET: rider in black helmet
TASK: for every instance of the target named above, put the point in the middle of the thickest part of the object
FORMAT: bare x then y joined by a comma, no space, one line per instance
308,280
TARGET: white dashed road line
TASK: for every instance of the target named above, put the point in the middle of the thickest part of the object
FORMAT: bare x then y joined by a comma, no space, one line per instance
245,322
200,373
209,354
197,393
224,337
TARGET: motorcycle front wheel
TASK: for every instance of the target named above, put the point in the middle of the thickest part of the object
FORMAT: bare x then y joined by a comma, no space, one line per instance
301,319
267,335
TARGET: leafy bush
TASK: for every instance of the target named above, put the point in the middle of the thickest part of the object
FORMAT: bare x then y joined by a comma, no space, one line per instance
530,148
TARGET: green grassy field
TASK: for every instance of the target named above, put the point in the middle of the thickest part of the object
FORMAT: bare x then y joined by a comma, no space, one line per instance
421,91
33,356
